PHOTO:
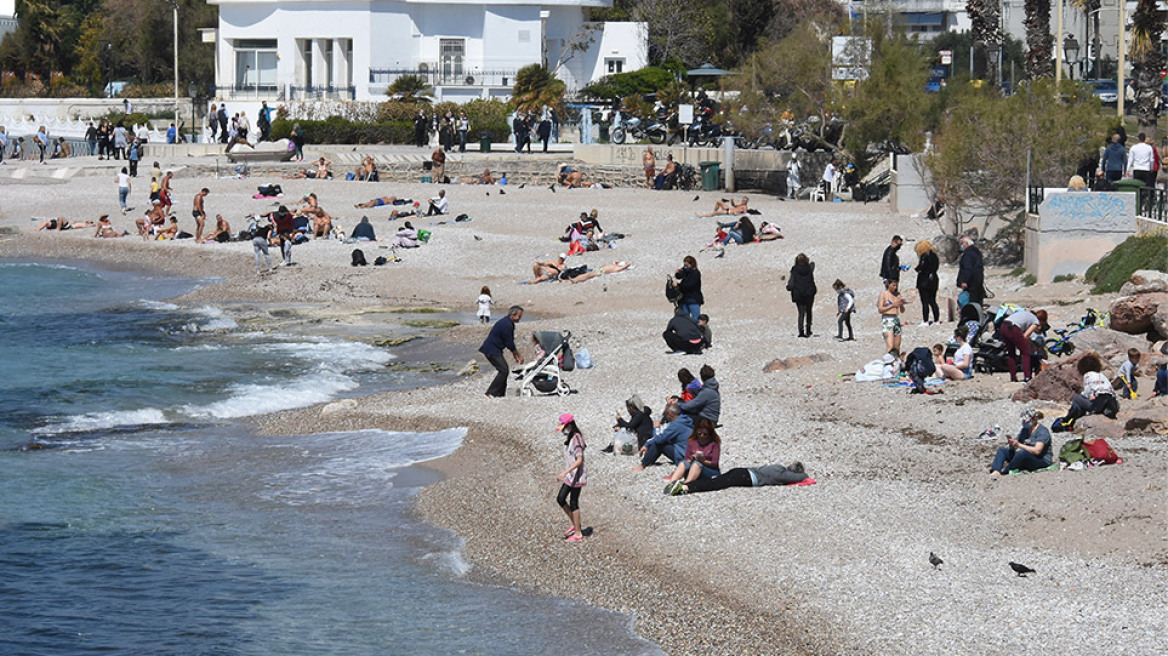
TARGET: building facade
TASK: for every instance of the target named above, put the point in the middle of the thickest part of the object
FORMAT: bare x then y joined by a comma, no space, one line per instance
346,49
7,17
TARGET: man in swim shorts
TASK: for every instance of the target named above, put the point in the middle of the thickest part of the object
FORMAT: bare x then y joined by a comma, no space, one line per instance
649,161
199,214
384,200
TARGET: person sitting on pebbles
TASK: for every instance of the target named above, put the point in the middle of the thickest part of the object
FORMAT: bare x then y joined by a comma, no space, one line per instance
105,229
406,237
222,231
1029,451
703,452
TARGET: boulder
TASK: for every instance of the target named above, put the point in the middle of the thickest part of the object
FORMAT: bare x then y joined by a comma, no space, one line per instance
1148,419
1059,381
1145,281
948,250
1133,314
795,362
344,405
1160,320
1107,341
1093,426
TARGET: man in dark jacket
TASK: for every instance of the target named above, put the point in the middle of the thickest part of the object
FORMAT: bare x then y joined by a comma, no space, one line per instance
707,404
689,283
545,132
670,441
683,333
971,271
1114,159
890,264
222,123
502,336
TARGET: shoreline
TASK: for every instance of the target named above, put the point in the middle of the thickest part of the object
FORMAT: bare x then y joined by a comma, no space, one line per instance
839,567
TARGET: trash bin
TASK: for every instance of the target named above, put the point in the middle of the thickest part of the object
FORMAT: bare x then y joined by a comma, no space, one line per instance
604,133
484,142
1128,184
711,175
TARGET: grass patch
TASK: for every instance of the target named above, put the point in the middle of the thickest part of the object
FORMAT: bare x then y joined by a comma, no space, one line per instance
1135,253
1017,272
1062,302
437,324
390,342
1066,277
1029,279
419,310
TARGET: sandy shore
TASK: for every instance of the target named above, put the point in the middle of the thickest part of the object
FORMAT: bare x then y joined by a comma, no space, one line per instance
839,567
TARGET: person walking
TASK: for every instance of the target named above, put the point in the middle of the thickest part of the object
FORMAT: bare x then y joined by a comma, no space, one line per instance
801,284
223,123
574,477
890,262
213,122
261,237
794,179
845,308
927,281
420,129
90,139
264,122
297,137
41,139
501,337
123,180
463,129
134,156
520,128
1114,159
545,132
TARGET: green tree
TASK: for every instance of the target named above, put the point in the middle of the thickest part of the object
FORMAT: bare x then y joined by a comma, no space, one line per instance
891,107
537,87
409,88
1146,61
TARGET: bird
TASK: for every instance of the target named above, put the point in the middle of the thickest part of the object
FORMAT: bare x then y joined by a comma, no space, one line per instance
478,238
488,194
523,185
698,197
502,193
1021,570
935,561
553,187
721,253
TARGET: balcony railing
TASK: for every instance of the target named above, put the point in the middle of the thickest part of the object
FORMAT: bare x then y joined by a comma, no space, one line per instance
251,91
280,91
323,93
468,77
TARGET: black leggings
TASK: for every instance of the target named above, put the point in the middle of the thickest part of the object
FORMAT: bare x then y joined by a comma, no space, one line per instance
845,319
737,477
569,497
929,300
804,318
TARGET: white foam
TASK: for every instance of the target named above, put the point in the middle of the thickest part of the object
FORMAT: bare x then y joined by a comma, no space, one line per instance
95,421
255,399
156,305
450,561
215,319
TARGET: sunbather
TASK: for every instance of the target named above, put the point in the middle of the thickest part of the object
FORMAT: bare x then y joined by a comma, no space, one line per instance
58,224
384,200
728,207
748,477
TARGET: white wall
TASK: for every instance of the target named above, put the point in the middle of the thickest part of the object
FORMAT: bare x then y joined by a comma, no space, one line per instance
7,7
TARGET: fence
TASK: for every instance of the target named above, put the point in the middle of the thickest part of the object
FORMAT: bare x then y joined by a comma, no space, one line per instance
1034,197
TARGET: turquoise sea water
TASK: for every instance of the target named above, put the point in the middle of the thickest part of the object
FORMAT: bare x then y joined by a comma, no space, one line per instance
138,516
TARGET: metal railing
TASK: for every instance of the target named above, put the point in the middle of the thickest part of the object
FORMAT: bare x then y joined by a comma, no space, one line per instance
1152,204
1034,197
468,77
251,91
323,93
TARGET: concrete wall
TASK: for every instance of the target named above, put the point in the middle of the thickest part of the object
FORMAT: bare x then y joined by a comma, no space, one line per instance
1072,230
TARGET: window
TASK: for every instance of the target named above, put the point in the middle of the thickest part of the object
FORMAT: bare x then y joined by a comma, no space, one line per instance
452,51
615,65
255,64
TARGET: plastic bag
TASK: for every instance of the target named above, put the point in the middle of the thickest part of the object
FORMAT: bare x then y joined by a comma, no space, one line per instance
624,442
584,359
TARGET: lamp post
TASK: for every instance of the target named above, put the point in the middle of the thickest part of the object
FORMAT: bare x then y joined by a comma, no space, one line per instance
1071,52
174,7
193,94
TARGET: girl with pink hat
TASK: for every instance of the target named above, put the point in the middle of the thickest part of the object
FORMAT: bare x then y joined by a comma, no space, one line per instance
573,478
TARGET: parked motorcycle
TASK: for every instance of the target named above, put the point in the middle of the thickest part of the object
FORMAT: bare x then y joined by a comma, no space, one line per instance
638,129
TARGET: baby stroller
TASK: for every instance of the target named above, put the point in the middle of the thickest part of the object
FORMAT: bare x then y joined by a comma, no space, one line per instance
991,354
546,375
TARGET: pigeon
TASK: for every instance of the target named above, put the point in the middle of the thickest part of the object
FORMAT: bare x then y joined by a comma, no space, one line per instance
501,193
935,561
553,187
523,185
698,197
721,253
488,194
1021,570
478,238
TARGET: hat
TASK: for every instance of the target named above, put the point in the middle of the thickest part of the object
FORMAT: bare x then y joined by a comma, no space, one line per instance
888,359
1030,415
565,419
563,256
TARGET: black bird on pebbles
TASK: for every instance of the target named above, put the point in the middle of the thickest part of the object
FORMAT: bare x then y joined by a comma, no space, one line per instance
935,561
1021,570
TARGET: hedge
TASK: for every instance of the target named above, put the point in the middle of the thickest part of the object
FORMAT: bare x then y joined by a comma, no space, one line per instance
339,131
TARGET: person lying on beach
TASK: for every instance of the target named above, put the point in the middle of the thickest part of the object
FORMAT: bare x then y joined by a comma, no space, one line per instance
485,178
768,232
105,230
384,200
726,207
703,452
576,275
58,224
300,174
748,477
569,177
222,231
549,270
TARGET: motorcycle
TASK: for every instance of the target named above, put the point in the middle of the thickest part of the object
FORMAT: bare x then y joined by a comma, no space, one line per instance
636,128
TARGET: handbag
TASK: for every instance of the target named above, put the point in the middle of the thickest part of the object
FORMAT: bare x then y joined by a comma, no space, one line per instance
1099,449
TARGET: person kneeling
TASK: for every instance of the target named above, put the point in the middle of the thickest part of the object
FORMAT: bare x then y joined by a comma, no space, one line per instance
683,333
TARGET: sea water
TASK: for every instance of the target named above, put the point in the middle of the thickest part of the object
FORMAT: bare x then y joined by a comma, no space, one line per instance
137,515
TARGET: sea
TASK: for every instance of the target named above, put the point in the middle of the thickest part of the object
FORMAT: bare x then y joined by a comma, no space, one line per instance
139,515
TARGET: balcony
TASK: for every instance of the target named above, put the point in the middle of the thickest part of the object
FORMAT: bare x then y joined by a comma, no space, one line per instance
286,92
467,77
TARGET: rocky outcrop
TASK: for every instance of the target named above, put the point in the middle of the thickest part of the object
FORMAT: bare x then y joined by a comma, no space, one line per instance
1058,382
1133,314
795,362
1094,426
1152,419
1107,342
1160,322
1144,282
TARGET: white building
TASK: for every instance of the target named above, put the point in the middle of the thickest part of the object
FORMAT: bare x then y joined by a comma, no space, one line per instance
350,49
7,17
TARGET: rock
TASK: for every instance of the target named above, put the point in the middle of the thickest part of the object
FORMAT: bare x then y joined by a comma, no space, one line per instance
1133,314
1001,252
1093,426
344,405
1059,381
1149,419
470,368
1145,281
795,362
1107,341
1160,320
948,250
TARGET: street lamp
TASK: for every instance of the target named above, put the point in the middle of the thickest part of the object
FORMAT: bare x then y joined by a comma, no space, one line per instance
1071,51
193,94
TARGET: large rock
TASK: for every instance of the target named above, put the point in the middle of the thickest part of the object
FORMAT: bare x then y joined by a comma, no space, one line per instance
1160,320
795,362
1150,419
1145,281
1133,314
1107,341
1093,426
1059,381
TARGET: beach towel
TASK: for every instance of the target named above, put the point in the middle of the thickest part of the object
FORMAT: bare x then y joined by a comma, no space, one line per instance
806,481
1053,467
871,372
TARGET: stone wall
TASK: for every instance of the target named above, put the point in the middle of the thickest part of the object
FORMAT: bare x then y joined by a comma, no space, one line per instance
1073,230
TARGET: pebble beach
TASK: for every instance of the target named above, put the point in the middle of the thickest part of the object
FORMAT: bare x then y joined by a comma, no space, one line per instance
839,567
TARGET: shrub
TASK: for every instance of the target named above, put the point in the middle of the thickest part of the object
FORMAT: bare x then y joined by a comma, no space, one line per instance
336,130
1135,253
634,83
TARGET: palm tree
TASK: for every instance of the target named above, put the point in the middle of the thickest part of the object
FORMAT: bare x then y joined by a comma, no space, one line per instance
537,87
986,25
1146,61
409,88
1038,39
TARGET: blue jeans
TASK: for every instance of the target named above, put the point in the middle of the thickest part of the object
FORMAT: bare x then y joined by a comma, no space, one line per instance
123,194
1006,459
652,453
733,235
692,309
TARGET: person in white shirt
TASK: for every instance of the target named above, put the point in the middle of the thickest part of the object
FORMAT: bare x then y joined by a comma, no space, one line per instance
828,178
961,367
123,179
1141,160
794,180
439,204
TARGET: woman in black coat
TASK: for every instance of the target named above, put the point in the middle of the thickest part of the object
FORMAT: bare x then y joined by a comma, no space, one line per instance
801,284
640,420
927,281
690,286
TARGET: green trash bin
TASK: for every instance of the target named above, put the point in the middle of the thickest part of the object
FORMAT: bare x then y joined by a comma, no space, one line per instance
711,175
1128,184
604,133
484,142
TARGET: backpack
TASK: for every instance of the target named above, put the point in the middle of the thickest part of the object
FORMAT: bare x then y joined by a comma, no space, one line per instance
1099,449
1073,451
359,257
1005,310
672,293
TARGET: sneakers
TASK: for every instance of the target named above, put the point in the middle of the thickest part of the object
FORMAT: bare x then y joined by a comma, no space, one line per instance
924,324
678,489
671,489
